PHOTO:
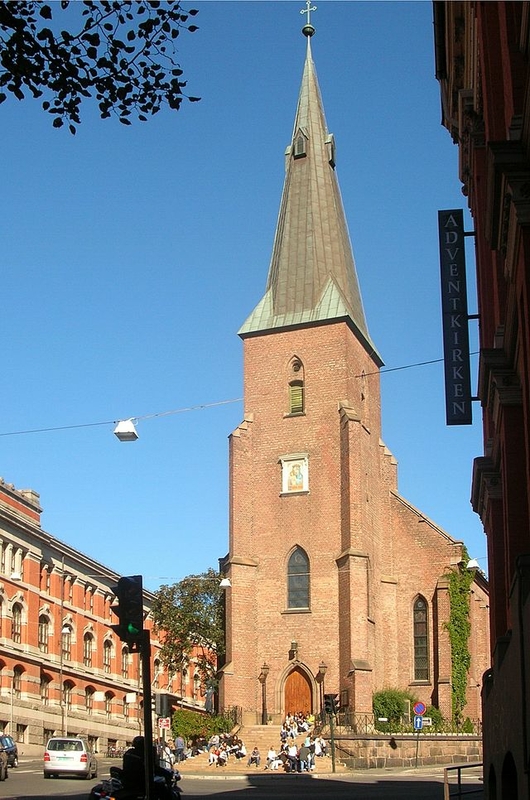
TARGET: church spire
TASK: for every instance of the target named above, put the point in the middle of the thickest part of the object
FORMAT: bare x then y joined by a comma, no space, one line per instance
312,277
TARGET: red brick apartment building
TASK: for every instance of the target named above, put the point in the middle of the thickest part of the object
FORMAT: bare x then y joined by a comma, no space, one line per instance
482,63
62,668
337,582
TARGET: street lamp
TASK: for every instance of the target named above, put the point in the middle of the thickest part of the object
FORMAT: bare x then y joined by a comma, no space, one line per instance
322,669
125,430
263,680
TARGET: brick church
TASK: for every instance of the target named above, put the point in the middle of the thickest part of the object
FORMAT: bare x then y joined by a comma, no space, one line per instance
338,584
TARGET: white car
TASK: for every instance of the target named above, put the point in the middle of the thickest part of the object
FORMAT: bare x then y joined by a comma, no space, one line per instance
69,755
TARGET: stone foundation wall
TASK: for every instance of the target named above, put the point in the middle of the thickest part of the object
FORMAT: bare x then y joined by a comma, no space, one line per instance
407,750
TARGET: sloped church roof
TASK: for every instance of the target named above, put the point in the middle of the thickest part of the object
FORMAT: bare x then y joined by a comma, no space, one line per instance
312,277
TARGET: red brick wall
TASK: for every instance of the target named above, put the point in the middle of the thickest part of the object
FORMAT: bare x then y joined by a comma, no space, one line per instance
371,553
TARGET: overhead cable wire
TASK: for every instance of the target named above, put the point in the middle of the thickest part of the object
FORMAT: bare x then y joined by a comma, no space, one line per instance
198,407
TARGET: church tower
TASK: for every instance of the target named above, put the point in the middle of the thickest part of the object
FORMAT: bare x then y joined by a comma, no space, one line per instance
324,582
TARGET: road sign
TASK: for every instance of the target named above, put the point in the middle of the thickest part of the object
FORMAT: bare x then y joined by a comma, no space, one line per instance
427,721
418,723
419,709
164,722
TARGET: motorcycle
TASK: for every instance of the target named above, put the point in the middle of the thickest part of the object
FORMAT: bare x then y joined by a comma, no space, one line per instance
165,785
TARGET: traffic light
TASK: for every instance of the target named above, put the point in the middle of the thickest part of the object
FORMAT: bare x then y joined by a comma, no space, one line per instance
130,610
162,705
330,703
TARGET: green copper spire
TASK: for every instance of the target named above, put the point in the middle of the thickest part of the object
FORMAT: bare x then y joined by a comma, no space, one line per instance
312,277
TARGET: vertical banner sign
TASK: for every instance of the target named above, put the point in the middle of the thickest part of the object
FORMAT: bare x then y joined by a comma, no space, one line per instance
455,318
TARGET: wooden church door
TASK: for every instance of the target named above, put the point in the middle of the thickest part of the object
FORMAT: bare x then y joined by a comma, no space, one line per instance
298,694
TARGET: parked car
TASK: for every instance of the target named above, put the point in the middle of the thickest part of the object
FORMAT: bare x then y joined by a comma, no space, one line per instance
69,755
9,747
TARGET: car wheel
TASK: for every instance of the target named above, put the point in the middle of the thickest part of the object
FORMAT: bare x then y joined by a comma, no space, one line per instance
3,772
46,774
15,762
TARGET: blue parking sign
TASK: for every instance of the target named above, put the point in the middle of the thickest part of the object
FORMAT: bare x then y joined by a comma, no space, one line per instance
418,723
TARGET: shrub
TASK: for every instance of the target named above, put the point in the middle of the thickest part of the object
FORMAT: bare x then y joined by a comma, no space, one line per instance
437,719
193,726
467,726
392,704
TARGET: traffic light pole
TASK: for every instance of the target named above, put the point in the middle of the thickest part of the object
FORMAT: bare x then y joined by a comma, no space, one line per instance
332,739
149,756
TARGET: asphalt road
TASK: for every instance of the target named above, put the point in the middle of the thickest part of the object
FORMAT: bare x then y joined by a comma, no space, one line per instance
27,783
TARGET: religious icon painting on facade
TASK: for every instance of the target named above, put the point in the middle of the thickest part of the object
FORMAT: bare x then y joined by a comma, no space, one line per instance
294,475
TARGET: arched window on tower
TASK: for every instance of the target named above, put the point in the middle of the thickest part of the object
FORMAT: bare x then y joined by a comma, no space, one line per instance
296,387
298,579
421,640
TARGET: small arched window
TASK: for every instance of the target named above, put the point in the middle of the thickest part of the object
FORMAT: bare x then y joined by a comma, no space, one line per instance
296,387
16,623
66,641
44,631
89,699
108,704
107,655
421,641
156,670
17,682
45,682
68,688
125,662
298,579
88,647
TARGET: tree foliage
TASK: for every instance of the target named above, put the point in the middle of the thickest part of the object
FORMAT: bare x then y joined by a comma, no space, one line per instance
189,619
121,53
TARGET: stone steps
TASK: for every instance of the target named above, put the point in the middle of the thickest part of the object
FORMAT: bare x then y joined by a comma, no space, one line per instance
262,737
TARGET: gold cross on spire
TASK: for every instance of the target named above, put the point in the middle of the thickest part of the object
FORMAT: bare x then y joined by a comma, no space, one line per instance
307,10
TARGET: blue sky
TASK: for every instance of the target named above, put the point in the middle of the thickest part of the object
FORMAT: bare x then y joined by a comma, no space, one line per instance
132,255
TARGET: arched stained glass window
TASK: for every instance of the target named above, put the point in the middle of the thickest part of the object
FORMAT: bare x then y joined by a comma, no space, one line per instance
298,579
421,641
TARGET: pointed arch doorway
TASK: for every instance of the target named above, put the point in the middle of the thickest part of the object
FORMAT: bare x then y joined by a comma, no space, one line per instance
298,693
